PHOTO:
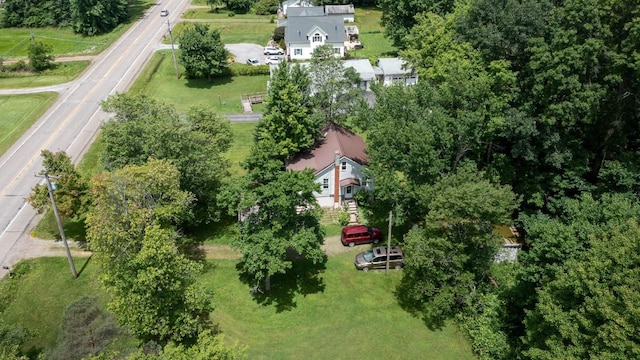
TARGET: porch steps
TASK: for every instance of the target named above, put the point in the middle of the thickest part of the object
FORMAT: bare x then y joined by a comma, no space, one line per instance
352,208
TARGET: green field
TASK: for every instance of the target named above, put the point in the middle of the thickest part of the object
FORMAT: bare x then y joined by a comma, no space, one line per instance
223,94
342,314
234,30
15,41
376,45
61,73
19,112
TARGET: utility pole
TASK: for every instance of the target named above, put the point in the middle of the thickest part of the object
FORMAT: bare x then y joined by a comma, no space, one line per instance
386,269
60,228
173,50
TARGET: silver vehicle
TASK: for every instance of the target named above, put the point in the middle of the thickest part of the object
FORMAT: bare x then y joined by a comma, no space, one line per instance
376,258
253,62
164,13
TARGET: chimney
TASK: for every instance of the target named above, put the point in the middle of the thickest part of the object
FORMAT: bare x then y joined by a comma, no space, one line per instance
336,179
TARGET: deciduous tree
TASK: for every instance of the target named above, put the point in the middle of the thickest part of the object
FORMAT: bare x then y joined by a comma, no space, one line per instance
587,305
283,216
202,51
131,230
40,56
398,17
448,260
288,122
143,128
335,88
94,17
71,188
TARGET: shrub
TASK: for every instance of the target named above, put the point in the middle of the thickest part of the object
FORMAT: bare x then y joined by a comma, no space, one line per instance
278,33
18,66
85,330
248,70
343,218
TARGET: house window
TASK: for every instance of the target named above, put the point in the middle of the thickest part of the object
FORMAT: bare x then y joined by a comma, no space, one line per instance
344,166
297,51
317,38
348,189
325,183
336,50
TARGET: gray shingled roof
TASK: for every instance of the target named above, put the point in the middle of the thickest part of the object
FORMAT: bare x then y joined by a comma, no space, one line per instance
339,9
393,66
362,67
298,28
305,11
322,155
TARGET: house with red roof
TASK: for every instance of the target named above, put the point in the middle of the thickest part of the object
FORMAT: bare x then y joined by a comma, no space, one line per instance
338,161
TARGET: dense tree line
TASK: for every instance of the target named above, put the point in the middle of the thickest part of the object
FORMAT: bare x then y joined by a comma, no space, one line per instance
540,98
86,17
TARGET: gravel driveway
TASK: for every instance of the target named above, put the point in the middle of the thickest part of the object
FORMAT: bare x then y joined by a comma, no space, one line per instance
245,51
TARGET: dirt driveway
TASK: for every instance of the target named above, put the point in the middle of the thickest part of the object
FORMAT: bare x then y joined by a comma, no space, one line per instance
331,246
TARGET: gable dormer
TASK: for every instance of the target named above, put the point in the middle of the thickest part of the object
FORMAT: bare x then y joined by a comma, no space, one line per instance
317,36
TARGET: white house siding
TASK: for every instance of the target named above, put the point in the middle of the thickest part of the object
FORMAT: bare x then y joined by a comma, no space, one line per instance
352,170
306,50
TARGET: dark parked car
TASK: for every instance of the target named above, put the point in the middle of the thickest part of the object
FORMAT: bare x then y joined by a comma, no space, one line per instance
360,234
376,258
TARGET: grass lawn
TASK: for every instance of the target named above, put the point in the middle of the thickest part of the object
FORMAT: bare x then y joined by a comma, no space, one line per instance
43,294
254,29
19,112
63,72
347,315
344,315
159,81
376,45
14,42
241,146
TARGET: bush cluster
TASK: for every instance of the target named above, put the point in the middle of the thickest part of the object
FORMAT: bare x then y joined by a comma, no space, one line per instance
246,70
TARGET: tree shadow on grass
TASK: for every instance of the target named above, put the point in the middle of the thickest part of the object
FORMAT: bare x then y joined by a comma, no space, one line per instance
433,320
303,278
206,84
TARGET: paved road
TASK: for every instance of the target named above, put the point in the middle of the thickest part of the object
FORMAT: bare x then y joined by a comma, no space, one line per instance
72,122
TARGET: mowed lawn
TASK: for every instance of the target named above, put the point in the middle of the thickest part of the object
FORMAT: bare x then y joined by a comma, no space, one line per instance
14,42
159,81
347,315
376,45
244,28
61,73
19,112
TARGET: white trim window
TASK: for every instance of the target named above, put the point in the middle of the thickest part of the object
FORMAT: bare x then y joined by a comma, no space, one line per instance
325,183
344,166
297,52
317,37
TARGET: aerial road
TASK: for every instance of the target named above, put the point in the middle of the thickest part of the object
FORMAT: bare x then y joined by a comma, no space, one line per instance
72,122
